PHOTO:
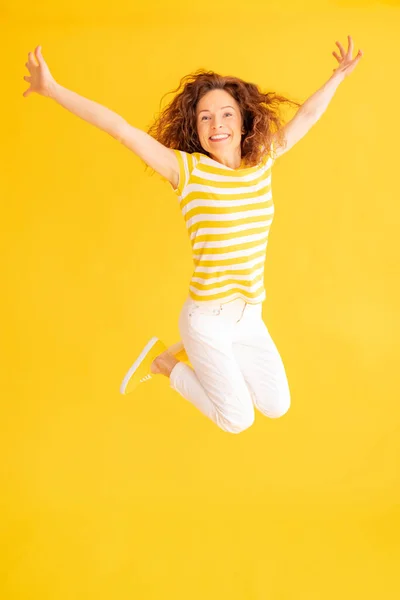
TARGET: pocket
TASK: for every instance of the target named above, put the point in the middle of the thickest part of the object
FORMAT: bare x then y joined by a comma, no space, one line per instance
204,310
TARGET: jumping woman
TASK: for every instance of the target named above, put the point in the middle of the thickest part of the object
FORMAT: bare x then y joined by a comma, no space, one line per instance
215,143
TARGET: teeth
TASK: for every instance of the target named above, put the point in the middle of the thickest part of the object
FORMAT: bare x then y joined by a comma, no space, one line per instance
219,137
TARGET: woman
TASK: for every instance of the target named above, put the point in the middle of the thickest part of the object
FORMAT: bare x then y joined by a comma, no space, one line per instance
215,143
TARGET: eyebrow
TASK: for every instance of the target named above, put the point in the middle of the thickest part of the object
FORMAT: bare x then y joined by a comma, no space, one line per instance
222,108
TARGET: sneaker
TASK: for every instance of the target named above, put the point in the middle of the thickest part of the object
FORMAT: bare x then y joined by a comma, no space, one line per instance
140,370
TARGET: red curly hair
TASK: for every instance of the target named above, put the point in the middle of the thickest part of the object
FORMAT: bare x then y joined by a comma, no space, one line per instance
176,125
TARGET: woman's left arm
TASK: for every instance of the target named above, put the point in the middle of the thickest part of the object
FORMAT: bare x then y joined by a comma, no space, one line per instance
315,106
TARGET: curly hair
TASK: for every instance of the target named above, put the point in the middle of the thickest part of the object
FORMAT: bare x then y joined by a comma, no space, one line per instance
176,125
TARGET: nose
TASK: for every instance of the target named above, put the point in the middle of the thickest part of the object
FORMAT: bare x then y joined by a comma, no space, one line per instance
216,125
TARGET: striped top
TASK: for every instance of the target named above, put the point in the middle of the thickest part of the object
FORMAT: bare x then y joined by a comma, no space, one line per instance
228,215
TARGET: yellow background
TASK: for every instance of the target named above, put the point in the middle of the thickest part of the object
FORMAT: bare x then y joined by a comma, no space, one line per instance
105,496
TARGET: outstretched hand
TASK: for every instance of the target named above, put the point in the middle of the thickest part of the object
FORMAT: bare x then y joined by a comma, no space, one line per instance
347,63
41,80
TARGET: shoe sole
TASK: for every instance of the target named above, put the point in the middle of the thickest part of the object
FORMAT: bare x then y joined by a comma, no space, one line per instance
137,363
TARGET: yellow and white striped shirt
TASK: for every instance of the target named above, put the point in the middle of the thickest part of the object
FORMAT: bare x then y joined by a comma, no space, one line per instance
228,215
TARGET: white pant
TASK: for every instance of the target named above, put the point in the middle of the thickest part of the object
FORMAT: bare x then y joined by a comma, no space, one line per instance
236,364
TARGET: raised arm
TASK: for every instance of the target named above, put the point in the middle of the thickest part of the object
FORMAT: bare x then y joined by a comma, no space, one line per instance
160,158
313,108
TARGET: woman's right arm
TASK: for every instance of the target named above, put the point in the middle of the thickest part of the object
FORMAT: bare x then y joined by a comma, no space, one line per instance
153,153
86,109
43,83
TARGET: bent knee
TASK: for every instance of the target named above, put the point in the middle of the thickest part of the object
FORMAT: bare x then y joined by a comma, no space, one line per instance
236,424
278,409
275,408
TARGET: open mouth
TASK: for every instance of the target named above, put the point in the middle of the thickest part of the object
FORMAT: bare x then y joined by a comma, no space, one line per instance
219,138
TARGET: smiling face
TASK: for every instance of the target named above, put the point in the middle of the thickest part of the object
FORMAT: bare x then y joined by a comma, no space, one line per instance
219,127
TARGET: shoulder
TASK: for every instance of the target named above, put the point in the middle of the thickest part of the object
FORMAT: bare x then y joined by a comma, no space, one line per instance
269,155
186,163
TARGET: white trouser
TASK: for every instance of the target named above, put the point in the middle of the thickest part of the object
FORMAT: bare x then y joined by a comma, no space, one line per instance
236,364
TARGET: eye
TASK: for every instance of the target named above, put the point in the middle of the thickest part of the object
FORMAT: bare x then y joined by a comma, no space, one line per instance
206,117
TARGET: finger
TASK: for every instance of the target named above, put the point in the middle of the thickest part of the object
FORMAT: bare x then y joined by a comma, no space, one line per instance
357,58
31,60
28,67
38,54
26,93
342,52
351,46
28,79
336,56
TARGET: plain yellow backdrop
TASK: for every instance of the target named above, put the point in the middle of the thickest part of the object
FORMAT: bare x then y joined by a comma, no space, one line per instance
105,496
